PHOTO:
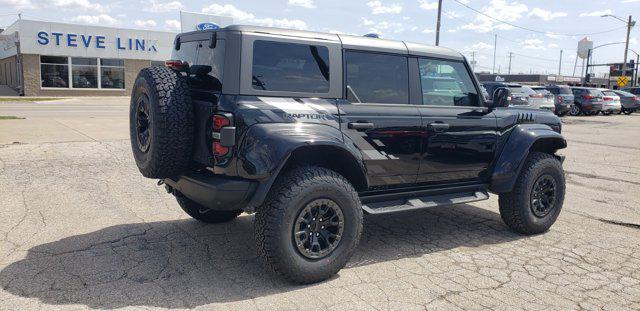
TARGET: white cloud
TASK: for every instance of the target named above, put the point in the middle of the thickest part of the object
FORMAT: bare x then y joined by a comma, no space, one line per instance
533,44
155,6
597,13
378,8
630,1
428,30
366,22
478,47
426,5
17,4
502,9
95,19
452,14
538,13
82,4
246,17
146,23
172,24
303,3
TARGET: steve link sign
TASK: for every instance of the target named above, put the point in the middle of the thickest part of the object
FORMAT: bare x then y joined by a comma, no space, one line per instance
95,41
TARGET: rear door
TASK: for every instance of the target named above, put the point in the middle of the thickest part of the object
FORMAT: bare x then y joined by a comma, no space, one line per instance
379,119
459,135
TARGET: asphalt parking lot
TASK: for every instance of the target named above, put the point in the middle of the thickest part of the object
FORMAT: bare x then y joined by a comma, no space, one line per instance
81,228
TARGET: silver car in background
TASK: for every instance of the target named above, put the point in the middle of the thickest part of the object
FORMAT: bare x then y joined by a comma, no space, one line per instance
540,98
611,102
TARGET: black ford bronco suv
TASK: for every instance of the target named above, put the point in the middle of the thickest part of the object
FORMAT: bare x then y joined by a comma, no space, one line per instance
311,130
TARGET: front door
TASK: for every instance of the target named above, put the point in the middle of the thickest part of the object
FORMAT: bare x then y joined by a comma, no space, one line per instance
459,135
378,118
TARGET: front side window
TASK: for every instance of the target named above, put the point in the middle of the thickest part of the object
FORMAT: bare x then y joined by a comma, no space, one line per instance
290,67
377,78
54,71
111,73
446,83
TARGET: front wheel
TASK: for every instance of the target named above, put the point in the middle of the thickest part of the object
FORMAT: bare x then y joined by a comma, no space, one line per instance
536,199
309,225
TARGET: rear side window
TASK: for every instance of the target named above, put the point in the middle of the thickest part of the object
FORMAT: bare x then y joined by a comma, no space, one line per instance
377,78
446,83
290,67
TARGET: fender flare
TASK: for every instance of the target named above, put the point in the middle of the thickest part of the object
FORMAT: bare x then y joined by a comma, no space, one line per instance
516,149
266,149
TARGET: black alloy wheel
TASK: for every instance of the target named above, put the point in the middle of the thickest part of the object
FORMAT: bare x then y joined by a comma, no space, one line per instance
543,196
142,123
318,228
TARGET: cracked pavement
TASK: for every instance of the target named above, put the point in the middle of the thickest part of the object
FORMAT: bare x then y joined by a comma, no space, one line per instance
81,229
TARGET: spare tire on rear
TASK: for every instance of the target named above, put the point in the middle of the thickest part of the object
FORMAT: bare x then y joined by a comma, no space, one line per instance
161,122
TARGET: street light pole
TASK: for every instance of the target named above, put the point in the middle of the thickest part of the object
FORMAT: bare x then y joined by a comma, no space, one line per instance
438,23
560,65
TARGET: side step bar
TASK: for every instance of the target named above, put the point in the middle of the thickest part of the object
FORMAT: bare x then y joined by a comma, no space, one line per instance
424,202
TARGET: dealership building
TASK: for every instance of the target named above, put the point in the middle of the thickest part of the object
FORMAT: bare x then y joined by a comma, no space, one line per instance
57,59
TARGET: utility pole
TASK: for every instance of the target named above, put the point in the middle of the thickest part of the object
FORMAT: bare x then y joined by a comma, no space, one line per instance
630,24
560,64
438,23
510,56
495,45
575,64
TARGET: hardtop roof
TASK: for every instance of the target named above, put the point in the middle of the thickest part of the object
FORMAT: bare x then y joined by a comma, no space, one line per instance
348,41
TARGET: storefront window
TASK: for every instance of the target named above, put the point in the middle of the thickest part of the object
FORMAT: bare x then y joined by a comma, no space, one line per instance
112,73
54,71
84,73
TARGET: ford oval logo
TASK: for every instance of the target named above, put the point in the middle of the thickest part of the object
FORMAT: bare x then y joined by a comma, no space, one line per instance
207,26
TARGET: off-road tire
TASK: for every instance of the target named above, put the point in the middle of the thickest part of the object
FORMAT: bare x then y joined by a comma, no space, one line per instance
275,219
201,213
515,206
170,122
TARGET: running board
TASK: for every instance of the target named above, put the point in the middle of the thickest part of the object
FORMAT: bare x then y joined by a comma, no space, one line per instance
424,202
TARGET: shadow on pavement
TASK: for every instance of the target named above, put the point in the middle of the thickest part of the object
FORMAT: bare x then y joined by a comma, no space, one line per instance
184,264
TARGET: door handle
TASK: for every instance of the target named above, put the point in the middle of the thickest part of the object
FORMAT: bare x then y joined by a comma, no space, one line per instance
437,127
360,125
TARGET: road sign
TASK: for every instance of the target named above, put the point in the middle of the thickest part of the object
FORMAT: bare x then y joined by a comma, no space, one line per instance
622,81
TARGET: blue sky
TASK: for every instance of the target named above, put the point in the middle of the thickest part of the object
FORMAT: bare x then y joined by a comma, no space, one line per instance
556,24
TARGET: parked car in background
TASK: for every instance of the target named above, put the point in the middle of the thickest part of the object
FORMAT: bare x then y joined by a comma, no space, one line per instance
540,98
633,90
611,102
587,101
563,98
630,102
518,98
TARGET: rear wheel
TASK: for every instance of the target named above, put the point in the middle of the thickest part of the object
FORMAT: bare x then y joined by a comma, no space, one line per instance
205,214
536,200
575,110
309,225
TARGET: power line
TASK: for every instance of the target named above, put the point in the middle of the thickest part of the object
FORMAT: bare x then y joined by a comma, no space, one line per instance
534,30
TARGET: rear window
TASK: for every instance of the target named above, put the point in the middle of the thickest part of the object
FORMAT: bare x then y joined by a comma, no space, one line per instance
564,90
609,93
377,78
290,67
595,92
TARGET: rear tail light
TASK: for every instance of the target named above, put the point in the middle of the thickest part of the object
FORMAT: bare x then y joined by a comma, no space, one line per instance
635,98
587,97
176,64
219,121
509,98
607,98
560,98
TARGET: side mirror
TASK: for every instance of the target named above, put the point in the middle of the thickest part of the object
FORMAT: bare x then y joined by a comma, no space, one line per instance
501,97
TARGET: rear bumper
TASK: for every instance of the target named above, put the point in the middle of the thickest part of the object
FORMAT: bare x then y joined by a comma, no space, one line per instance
213,191
563,108
592,107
